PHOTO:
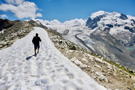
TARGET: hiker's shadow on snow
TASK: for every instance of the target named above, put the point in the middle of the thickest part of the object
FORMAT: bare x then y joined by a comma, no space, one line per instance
29,57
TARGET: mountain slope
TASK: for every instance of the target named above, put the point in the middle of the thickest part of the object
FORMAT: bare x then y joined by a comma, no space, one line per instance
109,74
109,34
49,70
115,35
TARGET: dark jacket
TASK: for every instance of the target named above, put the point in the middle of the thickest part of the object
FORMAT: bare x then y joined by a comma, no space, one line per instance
36,40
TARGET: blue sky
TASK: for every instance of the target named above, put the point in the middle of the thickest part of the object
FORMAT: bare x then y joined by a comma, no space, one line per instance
70,9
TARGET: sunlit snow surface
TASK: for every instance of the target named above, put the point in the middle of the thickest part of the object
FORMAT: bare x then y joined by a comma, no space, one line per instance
49,70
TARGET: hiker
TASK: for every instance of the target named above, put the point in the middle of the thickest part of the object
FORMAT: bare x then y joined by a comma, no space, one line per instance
36,41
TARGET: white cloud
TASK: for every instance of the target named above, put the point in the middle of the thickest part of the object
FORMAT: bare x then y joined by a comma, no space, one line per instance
39,15
24,10
3,16
14,1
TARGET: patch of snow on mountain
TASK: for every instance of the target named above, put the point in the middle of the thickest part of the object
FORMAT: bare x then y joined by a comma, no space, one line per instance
75,22
93,15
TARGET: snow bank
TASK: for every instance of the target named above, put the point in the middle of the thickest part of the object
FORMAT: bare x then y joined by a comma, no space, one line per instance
49,70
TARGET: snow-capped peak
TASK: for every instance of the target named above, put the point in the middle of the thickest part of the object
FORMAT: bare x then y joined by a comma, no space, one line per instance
61,26
111,19
104,13
93,15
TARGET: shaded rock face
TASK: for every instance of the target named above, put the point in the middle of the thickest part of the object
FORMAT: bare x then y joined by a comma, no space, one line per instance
4,23
123,16
109,25
130,29
117,25
133,21
92,23
111,48
66,32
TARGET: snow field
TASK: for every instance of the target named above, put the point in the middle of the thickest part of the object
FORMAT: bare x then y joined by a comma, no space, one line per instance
49,70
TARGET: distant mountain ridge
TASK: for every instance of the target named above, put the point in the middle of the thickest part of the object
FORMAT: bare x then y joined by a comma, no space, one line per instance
114,23
115,34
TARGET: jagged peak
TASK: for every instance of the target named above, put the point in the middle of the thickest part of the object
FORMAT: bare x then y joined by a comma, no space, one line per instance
104,13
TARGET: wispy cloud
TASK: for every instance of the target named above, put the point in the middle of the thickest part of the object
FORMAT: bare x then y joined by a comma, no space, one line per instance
14,1
3,16
21,8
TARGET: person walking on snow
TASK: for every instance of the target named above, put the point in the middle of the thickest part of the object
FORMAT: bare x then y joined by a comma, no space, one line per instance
36,41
